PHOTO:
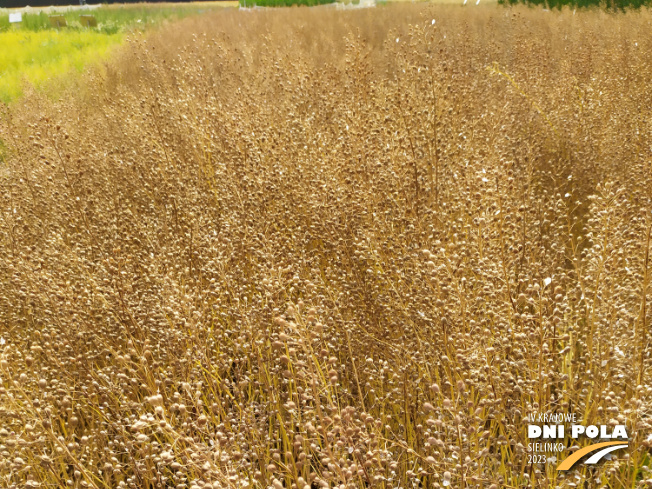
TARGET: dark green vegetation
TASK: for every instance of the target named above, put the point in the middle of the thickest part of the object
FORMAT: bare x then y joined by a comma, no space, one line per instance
612,5
282,3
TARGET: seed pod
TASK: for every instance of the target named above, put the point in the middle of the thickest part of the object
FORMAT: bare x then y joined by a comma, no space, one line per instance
446,479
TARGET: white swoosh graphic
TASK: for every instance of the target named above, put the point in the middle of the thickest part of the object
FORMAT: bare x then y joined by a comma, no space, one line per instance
595,458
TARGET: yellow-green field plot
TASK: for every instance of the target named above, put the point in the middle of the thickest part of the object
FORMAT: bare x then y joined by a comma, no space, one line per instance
36,57
33,52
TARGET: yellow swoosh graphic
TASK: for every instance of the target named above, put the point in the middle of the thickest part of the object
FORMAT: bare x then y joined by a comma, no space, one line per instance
570,461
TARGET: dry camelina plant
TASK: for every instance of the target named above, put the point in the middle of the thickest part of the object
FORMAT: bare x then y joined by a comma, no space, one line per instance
311,248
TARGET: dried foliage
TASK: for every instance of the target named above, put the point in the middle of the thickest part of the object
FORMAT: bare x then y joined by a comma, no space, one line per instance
310,248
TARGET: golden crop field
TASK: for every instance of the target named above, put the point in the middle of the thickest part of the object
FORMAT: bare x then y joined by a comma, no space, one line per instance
318,248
